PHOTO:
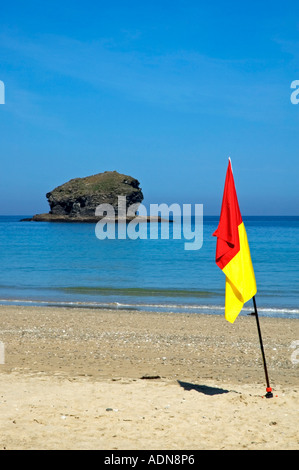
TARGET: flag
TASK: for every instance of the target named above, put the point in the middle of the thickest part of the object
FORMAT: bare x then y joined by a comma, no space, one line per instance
233,253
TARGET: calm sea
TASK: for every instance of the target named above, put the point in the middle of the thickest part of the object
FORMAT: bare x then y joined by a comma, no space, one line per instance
66,264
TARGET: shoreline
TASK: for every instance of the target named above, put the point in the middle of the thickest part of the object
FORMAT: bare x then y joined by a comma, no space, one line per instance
106,379
149,305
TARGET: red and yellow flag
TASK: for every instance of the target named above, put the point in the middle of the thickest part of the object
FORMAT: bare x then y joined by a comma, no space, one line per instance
232,252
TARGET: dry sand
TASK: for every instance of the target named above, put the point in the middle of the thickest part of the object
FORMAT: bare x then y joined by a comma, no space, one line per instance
84,379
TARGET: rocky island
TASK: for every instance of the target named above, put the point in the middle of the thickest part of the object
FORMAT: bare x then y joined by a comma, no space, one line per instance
76,200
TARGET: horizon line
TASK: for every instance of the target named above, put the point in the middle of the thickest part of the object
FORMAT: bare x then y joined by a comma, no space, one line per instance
204,215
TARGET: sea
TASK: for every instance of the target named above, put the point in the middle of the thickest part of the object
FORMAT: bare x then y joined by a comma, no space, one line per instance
67,265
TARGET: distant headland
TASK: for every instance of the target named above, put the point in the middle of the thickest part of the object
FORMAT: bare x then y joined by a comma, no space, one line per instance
76,200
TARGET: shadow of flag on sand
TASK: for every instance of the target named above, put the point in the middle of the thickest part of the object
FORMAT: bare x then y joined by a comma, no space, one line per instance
206,390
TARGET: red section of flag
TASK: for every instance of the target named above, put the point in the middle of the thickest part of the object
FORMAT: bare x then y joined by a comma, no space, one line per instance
228,244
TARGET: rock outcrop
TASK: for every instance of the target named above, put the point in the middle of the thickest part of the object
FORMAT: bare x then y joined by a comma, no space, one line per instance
76,200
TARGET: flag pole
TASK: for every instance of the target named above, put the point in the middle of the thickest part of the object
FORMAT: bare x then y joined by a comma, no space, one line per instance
269,393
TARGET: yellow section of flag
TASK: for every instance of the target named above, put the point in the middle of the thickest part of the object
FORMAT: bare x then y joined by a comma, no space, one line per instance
240,284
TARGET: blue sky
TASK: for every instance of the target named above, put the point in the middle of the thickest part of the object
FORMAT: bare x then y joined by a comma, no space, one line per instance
163,91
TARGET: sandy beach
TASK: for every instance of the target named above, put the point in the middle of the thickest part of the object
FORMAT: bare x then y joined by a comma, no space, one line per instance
106,379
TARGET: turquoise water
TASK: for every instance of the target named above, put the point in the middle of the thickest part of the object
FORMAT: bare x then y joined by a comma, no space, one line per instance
66,264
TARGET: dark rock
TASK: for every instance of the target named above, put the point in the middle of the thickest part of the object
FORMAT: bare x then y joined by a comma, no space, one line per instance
150,377
76,200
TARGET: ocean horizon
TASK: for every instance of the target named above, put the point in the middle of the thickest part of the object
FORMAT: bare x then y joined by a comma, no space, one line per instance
65,264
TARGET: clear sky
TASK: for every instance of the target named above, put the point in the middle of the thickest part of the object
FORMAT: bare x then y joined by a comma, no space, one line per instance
164,91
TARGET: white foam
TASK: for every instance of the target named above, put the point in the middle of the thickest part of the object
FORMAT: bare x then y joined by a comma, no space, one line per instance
271,311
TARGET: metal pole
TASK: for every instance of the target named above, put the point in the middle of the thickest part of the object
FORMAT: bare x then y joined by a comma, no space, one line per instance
269,393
